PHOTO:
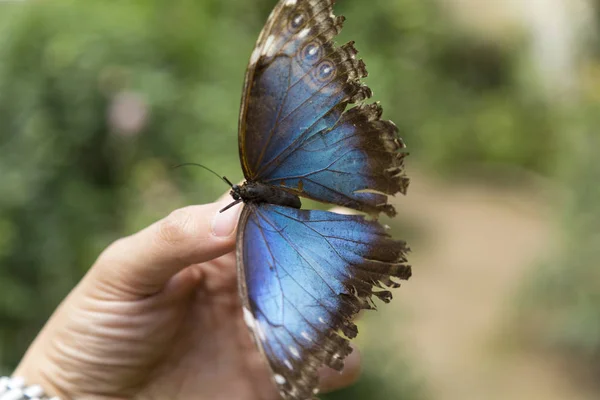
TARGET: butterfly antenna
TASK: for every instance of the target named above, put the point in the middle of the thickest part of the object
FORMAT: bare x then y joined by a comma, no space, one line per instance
230,205
224,179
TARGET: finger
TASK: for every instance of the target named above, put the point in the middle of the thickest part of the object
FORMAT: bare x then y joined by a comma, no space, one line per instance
334,380
183,283
147,260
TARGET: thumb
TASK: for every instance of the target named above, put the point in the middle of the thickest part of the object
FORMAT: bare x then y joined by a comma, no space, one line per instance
144,262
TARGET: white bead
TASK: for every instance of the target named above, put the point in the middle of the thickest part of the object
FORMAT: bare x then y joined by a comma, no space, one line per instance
14,389
4,381
14,394
17,382
34,391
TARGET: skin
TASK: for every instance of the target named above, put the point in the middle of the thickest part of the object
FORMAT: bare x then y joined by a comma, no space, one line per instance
158,317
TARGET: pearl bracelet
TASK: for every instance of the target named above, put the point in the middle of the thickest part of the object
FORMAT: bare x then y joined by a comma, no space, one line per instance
15,389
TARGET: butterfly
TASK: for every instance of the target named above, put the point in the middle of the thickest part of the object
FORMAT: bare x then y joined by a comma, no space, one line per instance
305,130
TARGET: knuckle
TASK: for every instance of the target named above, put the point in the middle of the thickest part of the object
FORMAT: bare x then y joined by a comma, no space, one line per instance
113,250
176,227
116,246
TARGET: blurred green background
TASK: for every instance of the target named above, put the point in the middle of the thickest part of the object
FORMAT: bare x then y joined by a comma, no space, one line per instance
497,101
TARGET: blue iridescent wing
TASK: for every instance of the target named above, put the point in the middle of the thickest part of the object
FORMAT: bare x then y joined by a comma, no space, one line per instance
294,129
303,277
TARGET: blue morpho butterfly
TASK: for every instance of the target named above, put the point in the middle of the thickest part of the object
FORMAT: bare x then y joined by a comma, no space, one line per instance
304,275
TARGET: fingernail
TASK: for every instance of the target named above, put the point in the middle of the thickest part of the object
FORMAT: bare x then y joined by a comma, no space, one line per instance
224,223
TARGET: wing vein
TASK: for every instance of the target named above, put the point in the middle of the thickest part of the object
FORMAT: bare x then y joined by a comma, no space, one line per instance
304,258
279,122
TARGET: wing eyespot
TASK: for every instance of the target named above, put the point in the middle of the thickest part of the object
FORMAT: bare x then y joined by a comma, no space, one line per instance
312,52
297,21
325,71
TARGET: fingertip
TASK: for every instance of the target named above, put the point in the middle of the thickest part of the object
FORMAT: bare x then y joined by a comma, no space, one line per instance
187,235
149,259
224,223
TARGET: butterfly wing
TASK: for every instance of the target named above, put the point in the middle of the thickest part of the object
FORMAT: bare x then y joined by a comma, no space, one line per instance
303,276
294,130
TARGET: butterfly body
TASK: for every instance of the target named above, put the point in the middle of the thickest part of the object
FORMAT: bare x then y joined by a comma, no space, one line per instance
305,274
257,193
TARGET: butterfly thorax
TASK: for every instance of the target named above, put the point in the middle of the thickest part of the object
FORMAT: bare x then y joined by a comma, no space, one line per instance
256,193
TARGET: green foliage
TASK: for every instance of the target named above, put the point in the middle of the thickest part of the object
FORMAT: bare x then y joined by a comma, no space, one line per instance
71,182
457,99
383,377
565,293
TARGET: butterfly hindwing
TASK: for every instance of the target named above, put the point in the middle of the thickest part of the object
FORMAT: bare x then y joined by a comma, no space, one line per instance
303,276
298,86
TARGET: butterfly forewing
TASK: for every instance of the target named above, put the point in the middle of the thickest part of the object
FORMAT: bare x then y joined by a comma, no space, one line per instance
281,79
298,86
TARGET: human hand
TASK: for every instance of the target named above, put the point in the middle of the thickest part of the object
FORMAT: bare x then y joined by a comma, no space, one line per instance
158,317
